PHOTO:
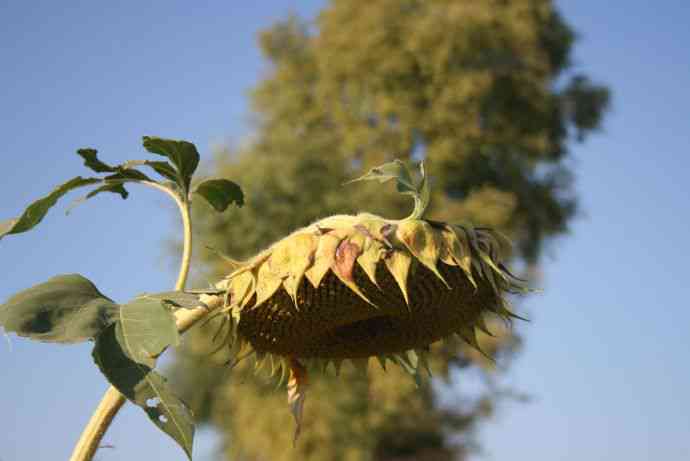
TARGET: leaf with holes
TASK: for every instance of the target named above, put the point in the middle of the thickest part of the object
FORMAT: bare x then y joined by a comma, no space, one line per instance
182,154
137,381
65,309
220,193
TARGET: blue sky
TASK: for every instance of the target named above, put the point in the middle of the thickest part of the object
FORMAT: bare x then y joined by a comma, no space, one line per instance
607,349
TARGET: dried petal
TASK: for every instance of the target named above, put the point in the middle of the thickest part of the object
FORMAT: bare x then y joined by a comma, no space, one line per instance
324,258
267,284
424,242
398,264
297,393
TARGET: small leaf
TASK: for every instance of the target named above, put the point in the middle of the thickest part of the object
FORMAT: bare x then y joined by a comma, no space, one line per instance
391,170
128,174
35,212
114,187
162,168
182,154
220,193
143,386
124,171
404,183
91,160
65,309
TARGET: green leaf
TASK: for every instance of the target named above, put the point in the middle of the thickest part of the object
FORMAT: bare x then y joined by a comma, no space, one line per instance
137,381
124,171
182,154
35,212
147,327
113,187
220,193
404,183
162,168
91,160
391,170
65,309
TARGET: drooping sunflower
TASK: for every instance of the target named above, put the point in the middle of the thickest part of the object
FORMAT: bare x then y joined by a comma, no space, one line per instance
352,287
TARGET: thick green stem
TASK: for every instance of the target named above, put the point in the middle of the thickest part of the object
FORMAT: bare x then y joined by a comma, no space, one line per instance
113,400
183,206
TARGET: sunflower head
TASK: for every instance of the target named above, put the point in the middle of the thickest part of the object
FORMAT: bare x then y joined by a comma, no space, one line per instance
361,286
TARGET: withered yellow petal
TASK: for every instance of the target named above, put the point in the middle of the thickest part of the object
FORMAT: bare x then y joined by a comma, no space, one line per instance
323,258
240,287
424,242
266,285
398,264
343,266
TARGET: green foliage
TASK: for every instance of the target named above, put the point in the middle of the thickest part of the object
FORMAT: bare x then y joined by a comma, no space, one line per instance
35,212
404,183
65,309
483,92
69,308
125,353
182,154
220,193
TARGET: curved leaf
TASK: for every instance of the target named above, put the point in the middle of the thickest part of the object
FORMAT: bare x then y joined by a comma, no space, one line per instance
220,193
124,171
65,309
391,170
35,212
162,168
404,183
92,161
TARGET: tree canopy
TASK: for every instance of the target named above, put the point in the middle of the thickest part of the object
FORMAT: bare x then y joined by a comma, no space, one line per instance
486,93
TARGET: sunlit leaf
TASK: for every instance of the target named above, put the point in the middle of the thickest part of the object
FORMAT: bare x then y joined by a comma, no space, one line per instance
65,309
220,193
137,381
147,327
404,183
391,170
35,212
182,154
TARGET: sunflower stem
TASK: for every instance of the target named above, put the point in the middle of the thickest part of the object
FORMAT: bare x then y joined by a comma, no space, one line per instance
113,400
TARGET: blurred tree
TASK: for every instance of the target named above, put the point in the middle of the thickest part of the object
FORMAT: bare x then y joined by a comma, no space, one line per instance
484,92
